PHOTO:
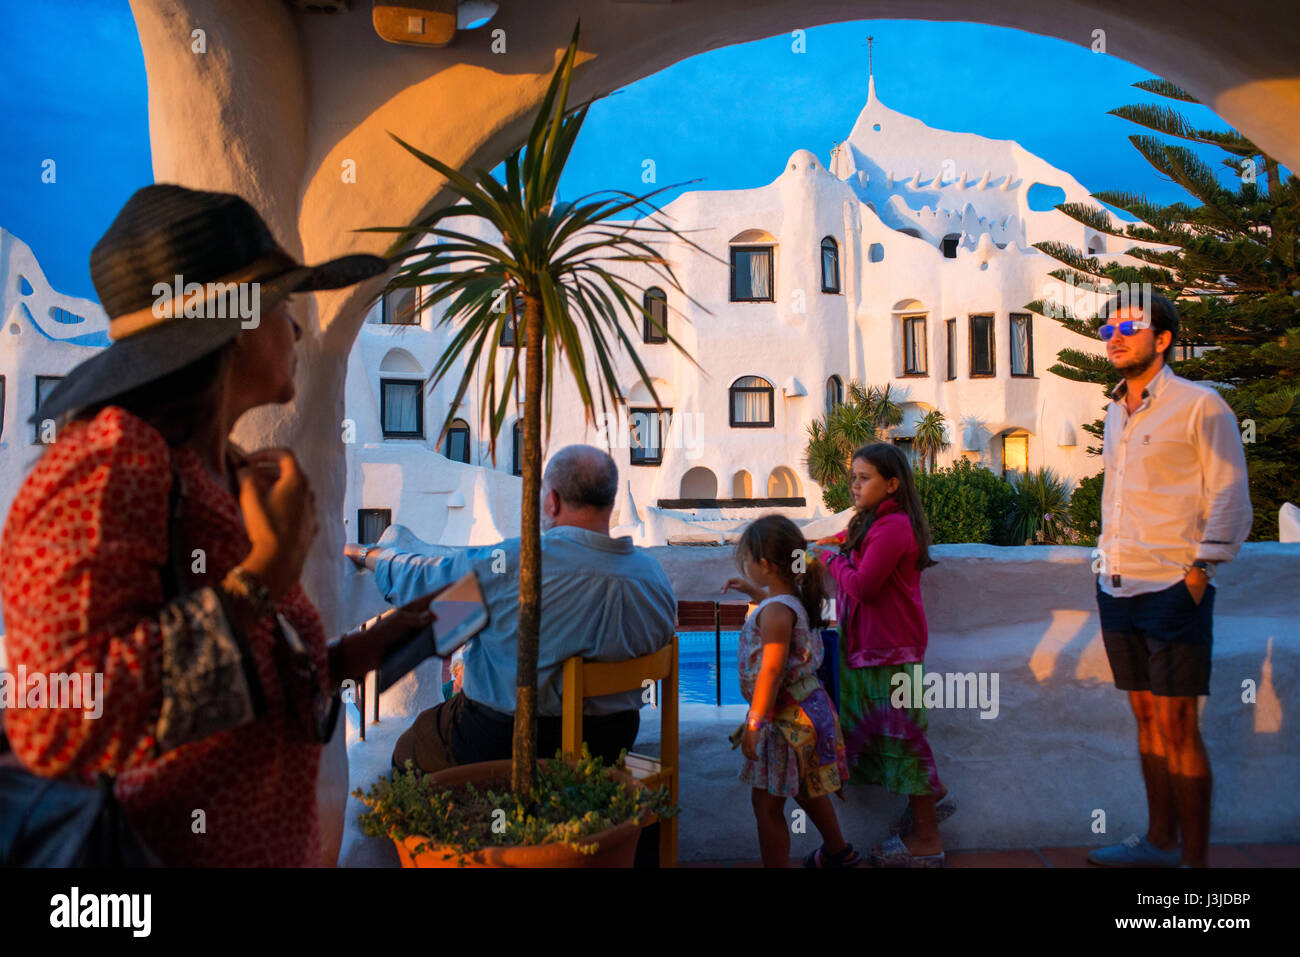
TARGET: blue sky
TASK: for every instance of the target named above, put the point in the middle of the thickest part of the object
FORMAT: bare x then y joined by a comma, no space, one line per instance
729,118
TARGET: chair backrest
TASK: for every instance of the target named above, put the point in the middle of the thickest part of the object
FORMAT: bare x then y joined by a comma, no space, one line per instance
592,679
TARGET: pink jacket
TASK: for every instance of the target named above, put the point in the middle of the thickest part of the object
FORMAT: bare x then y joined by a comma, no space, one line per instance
878,594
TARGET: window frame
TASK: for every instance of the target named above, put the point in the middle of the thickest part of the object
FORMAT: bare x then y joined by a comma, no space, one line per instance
771,403
839,393
834,249
970,352
770,249
925,345
37,380
446,441
951,326
361,512
665,417
383,408
1014,435
517,448
415,315
648,333
1011,326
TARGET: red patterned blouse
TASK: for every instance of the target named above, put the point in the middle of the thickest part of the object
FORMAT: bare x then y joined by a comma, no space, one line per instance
80,579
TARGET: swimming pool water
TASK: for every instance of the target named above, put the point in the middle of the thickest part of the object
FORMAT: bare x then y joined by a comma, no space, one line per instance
698,668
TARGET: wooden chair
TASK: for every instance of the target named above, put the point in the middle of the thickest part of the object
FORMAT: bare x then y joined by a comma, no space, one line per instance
590,679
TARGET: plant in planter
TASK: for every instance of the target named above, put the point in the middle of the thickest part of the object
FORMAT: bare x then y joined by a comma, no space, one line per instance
544,289
579,808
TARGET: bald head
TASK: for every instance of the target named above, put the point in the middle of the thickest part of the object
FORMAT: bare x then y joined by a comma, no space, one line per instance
584,477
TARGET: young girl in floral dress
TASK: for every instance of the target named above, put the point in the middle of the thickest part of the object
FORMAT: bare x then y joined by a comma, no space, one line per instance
791,737
877,571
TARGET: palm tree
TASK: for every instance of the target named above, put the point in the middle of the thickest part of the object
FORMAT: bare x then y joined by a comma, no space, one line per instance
930,438
553,260
859,419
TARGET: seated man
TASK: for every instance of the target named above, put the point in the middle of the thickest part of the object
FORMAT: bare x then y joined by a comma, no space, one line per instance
602,598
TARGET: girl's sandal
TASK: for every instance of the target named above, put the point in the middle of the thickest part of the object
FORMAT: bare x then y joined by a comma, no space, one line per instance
942,811
845,858
894,853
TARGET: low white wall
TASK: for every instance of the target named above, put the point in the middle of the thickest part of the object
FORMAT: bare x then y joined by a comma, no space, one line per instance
1062,745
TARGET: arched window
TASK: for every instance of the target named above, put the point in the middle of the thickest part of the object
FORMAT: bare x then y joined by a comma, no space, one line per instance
456,445
656,304
751,403
949,245
834,393
752,266
830,265
517,449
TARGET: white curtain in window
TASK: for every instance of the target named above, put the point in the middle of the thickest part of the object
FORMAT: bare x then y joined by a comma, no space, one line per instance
916,345
751,406
1020,344
760,275
400,408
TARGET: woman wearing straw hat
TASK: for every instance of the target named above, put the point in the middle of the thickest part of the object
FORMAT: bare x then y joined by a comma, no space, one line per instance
145,551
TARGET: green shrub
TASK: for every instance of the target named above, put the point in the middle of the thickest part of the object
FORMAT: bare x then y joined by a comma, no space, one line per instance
966,503
837,497
1085,510
1041,510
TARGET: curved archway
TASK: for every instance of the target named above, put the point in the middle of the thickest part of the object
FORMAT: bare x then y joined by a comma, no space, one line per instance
699,482
783,483
400,361
742,485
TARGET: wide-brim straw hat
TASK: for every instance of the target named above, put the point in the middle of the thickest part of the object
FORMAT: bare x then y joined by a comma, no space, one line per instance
212,248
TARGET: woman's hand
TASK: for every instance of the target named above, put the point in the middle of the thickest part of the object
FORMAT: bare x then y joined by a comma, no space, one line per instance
360,652
749,744
279,511
743,585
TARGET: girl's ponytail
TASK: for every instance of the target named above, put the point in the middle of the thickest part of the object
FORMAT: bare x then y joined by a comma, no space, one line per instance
812,590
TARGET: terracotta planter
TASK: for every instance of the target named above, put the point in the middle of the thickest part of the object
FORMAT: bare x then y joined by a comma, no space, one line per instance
617,846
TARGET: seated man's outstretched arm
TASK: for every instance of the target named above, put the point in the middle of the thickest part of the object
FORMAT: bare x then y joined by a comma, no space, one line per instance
404,576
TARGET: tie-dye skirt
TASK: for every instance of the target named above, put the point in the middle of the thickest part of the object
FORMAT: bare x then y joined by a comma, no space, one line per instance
886,745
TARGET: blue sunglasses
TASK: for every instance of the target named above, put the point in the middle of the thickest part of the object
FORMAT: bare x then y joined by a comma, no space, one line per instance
1126,328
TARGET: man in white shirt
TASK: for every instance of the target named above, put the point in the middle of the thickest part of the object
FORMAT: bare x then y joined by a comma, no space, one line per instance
1175,503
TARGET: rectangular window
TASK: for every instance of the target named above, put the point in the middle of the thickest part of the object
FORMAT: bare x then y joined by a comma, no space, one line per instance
981,346
1022,344
657,330
44,386
371,523
648,427
951,325
1015,454
517,450
751,273
914,345
401,308
401,408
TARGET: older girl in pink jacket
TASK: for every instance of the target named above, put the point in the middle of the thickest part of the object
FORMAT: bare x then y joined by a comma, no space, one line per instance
877,571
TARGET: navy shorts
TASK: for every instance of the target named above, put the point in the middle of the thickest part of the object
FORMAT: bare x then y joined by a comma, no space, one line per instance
1159,642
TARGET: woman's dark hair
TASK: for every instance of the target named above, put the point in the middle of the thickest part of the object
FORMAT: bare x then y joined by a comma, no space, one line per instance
178,403
890,462
779,540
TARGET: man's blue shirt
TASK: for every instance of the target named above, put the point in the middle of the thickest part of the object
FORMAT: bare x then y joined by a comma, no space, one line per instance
602,598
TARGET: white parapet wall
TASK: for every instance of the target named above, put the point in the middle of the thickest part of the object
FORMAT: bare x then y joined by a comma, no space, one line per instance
1060,751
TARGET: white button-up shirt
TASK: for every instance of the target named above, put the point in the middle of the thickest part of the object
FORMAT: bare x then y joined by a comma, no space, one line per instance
1175,489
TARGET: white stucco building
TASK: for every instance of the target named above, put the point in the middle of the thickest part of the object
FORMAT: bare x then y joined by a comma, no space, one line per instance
908,262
